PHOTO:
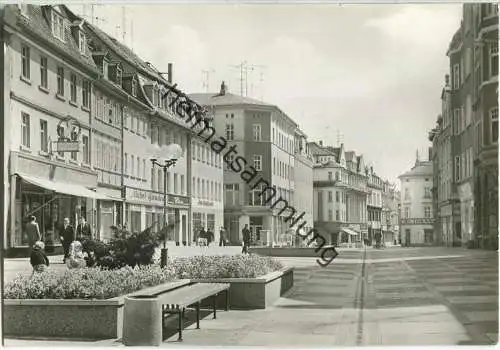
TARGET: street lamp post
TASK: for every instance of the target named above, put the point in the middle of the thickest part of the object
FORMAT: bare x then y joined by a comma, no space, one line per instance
175,151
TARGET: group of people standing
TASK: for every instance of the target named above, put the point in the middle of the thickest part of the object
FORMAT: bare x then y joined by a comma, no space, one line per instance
207,237
70,241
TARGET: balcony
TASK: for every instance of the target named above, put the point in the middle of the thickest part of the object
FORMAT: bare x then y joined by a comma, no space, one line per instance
329,183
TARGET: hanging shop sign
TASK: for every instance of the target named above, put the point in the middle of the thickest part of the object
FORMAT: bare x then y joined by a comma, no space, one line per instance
68,133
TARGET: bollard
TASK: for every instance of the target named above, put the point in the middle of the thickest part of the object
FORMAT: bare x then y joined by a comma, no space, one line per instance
164,257
142,321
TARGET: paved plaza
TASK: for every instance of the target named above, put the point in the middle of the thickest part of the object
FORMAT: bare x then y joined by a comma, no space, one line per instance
396,296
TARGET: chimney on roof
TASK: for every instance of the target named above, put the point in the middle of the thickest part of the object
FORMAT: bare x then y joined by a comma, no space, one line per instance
169,73
430,153
321,143
222,88
447,79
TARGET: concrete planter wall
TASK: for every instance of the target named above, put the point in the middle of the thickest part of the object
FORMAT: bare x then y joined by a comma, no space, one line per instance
71,318
254,293
286,252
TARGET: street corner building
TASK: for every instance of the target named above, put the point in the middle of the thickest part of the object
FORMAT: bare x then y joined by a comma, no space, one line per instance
417,222
268,140
349,197
465,137
84,115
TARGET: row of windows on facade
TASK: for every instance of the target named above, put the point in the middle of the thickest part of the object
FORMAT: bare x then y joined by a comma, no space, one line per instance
74,80
256,131
427,193
340,197
234,196
26,142
277,138
374,215
283,141
203,153
58,30
340,215
281,169
463,69
375,199
464,165
427,212
137,124
106,109
256,158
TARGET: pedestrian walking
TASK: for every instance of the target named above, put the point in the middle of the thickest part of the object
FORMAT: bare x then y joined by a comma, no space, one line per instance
33,232
38,259
210,237
202,237
246,239
222,237
67,236
83,231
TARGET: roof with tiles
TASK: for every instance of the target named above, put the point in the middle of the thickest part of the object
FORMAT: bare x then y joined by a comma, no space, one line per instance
349,156
226,99
318,150
334,150
38,22
421,169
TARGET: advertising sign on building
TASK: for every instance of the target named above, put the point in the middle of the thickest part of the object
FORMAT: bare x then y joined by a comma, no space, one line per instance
67,146
417,221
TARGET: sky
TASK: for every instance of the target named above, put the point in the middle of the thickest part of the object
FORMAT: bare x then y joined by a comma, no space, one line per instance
367,75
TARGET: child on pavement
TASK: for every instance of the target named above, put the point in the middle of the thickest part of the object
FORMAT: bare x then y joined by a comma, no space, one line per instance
38,258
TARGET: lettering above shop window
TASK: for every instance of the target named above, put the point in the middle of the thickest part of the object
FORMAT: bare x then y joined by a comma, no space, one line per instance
206,203
149,197
417,221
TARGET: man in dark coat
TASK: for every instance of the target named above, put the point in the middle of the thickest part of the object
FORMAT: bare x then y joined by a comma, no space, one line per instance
246,239
67,236
83,230
33,232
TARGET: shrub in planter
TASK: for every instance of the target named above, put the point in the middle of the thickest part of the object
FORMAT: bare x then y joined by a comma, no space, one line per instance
90,283
224,266
125,249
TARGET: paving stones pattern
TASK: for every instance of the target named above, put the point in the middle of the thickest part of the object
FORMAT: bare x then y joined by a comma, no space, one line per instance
399,297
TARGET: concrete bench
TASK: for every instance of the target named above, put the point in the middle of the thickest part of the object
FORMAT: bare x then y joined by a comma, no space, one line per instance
178,300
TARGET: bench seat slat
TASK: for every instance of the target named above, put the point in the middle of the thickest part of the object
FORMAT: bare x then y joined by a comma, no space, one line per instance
191,294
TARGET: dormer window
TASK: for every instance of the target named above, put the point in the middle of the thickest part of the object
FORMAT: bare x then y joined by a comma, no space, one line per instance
23,7
58,26
82,42
105,65
134,88
118,75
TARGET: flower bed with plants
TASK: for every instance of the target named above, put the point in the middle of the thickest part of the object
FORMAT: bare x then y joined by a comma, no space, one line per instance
256,281
89,283
224,266
87,303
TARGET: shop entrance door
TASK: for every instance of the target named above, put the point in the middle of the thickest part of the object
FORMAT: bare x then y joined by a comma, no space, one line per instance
185,239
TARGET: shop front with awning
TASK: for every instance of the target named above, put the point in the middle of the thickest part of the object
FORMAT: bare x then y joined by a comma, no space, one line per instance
50,189
348,236
50,202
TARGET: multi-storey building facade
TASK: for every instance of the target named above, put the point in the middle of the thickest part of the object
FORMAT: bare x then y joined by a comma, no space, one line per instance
416,221
374,204
303,180
485,115
390,214
47,96
72,85
265,137
446,205
465,138
340,211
